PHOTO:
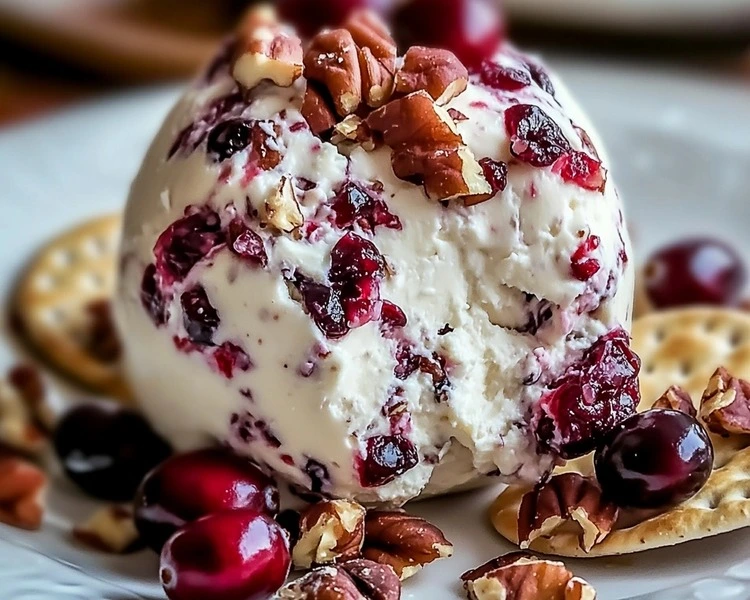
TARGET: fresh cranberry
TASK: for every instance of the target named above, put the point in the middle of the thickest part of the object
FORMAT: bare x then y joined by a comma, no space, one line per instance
247,244
324,306
188,486
356,205
655,459
235,555
695,271
506,79
392,315
106,449
385,457
496,173
582,265
185,242
199,318
591,399
152,298
228,138
535,138
471,29
217,110
310,16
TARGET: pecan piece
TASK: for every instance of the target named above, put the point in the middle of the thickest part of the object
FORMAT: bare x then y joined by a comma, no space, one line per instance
522,576
264,144
725,405
566,498
109,529
436,71
22,487
330,531
676,398
352,580
354,130
266,50
332,61
428,149
403,541
377,54
319,116
281,209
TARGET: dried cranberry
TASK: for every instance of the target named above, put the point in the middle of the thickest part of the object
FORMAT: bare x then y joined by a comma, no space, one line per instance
193,135
496,173
353,257
540,77
535,138
591,399
152,298
185,242
501,78
228,138
579,168
324,306
385,457
356,205
229,357
247,244
695,271
582,265
392,315
198,316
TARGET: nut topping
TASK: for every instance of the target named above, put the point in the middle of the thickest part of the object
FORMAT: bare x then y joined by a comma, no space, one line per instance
330,531
281,209
566,498
725,406
352,580
21,493
332,61
426,147
436,71
522,576
319,116
353,130
403,541
109,529
266,50
377,53
676,398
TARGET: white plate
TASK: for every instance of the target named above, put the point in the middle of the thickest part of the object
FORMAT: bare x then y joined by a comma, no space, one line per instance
686,16
681,147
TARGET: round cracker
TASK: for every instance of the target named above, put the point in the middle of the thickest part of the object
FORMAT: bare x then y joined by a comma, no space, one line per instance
51,299
682,347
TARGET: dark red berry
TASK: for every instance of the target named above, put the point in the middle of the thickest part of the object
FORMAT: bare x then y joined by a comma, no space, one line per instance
188,486
354,205
106,449
152,298
324,306
198,315
695,271
535,138
591,399
384,458
229,357
217,110
655,459
582,265
228,138
392,315
579,168
247,244
540,77
235,555
506,79
496,173
353,257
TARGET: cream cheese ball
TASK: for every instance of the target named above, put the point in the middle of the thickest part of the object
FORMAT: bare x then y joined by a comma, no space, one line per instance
377,290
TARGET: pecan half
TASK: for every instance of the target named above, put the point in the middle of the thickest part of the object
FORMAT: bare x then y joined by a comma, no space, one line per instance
266,51
315,109
281,209
377,54
428,149
22,487
330,531
332,61
109,529
676,398
566,498
352,580
436,71
522,576
725,405
403,541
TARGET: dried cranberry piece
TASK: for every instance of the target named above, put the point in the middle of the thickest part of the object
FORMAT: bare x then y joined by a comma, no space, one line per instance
591,399
496,173
385,457
152,298
185,242
229,358
353,257
579,168
407,363
356,205
198,316
506,79
247,244
392,315
228,138
535,138
540,77
193,135
582,265
324,306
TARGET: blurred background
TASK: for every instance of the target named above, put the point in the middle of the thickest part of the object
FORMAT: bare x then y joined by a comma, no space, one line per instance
55,52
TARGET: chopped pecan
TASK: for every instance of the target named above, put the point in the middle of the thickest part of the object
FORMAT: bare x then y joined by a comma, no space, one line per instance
725,406
353,129
377,54
109,529
266,50
319,116
281,209
332,61
522,576
403,541
330,531
676,398
436,71
427,148
264,143
352,580
566,498
22,487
